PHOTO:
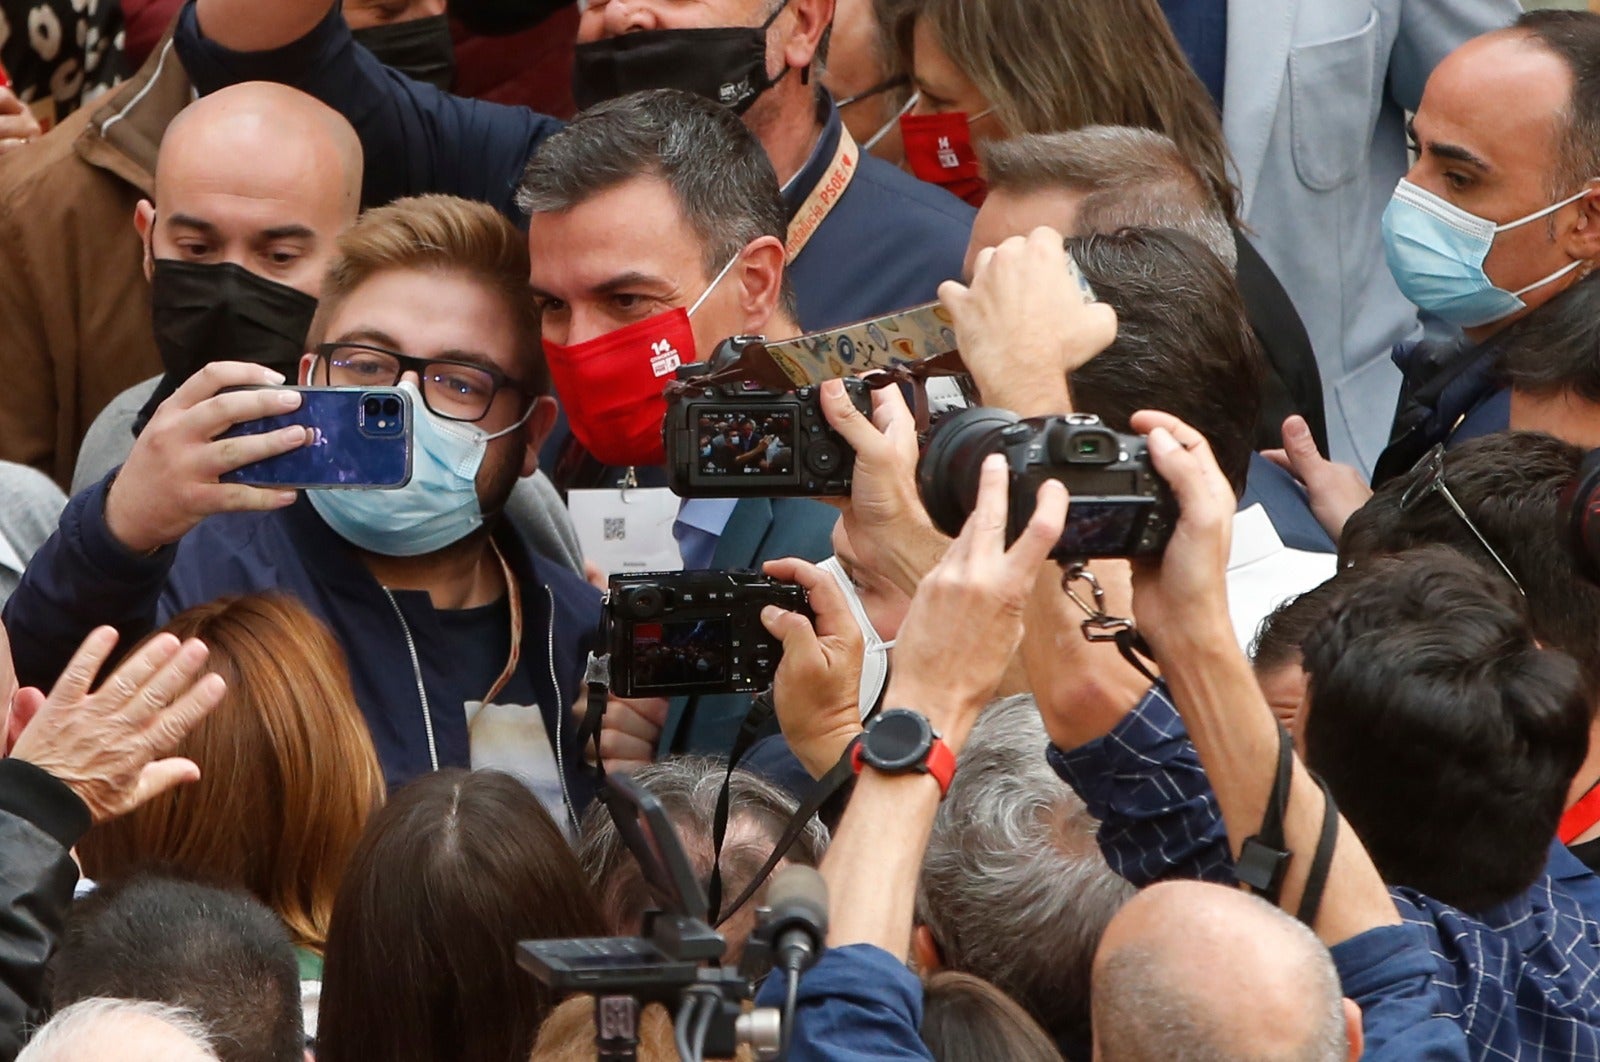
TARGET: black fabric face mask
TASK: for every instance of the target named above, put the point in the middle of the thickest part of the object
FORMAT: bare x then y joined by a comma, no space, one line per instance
419,48
206,313
727,64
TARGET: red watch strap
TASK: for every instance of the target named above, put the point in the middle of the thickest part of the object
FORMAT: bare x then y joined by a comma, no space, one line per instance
941,763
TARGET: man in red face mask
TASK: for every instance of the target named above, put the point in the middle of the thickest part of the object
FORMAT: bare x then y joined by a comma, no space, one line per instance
656,230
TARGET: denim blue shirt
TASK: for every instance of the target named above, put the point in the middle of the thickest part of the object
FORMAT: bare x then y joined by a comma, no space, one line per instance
1522,979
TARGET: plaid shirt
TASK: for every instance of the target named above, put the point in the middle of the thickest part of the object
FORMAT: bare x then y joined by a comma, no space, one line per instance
1521,979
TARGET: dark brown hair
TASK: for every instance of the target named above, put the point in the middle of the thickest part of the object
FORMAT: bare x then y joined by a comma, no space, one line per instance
421,957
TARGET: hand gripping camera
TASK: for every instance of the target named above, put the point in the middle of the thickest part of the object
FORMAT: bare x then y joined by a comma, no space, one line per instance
1120,506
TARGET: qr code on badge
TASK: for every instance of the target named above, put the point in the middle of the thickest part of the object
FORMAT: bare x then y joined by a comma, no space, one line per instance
615,528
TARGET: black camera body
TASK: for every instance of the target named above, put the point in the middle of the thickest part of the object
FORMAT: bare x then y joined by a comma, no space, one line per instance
1120,506
673,634
741,441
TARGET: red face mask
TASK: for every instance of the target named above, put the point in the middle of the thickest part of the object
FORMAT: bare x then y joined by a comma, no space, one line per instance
939,150
612,386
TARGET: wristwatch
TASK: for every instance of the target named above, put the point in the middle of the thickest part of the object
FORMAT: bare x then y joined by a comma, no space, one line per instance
901,741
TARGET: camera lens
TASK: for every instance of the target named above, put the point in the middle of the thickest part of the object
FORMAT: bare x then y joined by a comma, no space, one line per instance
947,473
642,602
371,406
391,406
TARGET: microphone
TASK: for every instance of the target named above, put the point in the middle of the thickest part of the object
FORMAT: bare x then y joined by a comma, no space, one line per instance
797,919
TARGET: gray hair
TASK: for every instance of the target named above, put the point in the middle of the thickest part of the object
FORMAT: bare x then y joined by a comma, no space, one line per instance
90,1023
1129,177
687,787
717,170
1014,888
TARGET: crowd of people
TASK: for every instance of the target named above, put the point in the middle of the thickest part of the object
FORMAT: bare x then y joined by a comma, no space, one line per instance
298,771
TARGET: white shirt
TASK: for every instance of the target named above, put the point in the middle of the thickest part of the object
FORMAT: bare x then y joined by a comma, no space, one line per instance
1263,573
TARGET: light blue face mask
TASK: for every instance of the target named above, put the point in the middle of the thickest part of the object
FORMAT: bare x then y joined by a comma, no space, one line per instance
438,508
1436,252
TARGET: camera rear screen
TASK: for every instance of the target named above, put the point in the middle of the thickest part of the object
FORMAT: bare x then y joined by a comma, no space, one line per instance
757,444
1102,529
681,652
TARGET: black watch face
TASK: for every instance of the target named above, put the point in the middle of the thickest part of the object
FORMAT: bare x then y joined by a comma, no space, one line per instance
898,740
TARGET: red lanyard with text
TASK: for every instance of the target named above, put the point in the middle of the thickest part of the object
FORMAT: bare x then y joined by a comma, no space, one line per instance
824,195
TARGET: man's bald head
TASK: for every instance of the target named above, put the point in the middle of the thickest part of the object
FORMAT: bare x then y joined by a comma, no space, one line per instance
257,174
1199,972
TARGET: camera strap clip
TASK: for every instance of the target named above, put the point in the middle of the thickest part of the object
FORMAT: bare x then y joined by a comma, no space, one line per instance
1100,626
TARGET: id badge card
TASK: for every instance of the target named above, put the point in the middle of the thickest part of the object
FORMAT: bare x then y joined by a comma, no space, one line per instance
627,530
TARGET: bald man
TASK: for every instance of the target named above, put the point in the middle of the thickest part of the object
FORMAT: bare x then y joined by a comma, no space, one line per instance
253,186
1190,970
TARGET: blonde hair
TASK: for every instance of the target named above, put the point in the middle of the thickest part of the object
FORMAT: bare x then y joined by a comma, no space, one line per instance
288,775
445,234
1047,66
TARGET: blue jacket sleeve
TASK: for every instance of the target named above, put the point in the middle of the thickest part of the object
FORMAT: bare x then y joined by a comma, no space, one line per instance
1389,974
857,1004
81,578
1158,816
416,139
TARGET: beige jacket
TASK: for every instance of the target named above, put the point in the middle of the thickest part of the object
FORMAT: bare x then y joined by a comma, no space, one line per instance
74,304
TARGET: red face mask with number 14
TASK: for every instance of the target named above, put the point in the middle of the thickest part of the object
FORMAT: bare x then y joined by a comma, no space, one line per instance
612,387
939,150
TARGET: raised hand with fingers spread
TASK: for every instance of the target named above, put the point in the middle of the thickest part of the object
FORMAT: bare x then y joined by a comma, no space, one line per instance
107,745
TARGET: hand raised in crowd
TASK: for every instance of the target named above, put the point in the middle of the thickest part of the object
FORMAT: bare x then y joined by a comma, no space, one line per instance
1334,490
884,518
1183,593
630,731
1027,320
818,684
965,621
17,123
170,481
106,745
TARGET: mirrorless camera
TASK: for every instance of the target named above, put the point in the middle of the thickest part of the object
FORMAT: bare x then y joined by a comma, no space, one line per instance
673,634
1120,506
739,441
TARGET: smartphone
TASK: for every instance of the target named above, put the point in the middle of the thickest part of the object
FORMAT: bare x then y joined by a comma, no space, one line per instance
362,440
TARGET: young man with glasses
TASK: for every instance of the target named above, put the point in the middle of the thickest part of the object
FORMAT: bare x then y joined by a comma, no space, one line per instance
464,647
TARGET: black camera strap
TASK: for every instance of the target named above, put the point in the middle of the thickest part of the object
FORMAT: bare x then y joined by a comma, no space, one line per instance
1264,857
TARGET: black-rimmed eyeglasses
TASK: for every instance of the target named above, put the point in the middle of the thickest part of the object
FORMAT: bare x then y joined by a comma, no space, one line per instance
454,390
1432,479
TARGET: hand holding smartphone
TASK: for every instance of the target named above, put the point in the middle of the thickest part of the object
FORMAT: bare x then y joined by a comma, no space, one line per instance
361,440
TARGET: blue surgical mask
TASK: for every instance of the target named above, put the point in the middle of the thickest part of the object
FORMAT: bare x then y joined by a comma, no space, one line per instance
437,508
1436,252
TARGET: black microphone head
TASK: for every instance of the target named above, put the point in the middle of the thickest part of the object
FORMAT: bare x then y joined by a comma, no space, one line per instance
798,894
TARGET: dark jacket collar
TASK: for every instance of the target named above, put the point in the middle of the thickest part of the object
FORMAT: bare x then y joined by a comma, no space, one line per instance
816,167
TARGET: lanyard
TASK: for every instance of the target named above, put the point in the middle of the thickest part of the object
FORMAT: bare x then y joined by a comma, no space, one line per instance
824,195
1580,817
514,600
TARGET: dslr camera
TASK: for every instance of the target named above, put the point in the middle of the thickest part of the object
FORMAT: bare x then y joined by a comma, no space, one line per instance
738,440
673,634
1120,506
